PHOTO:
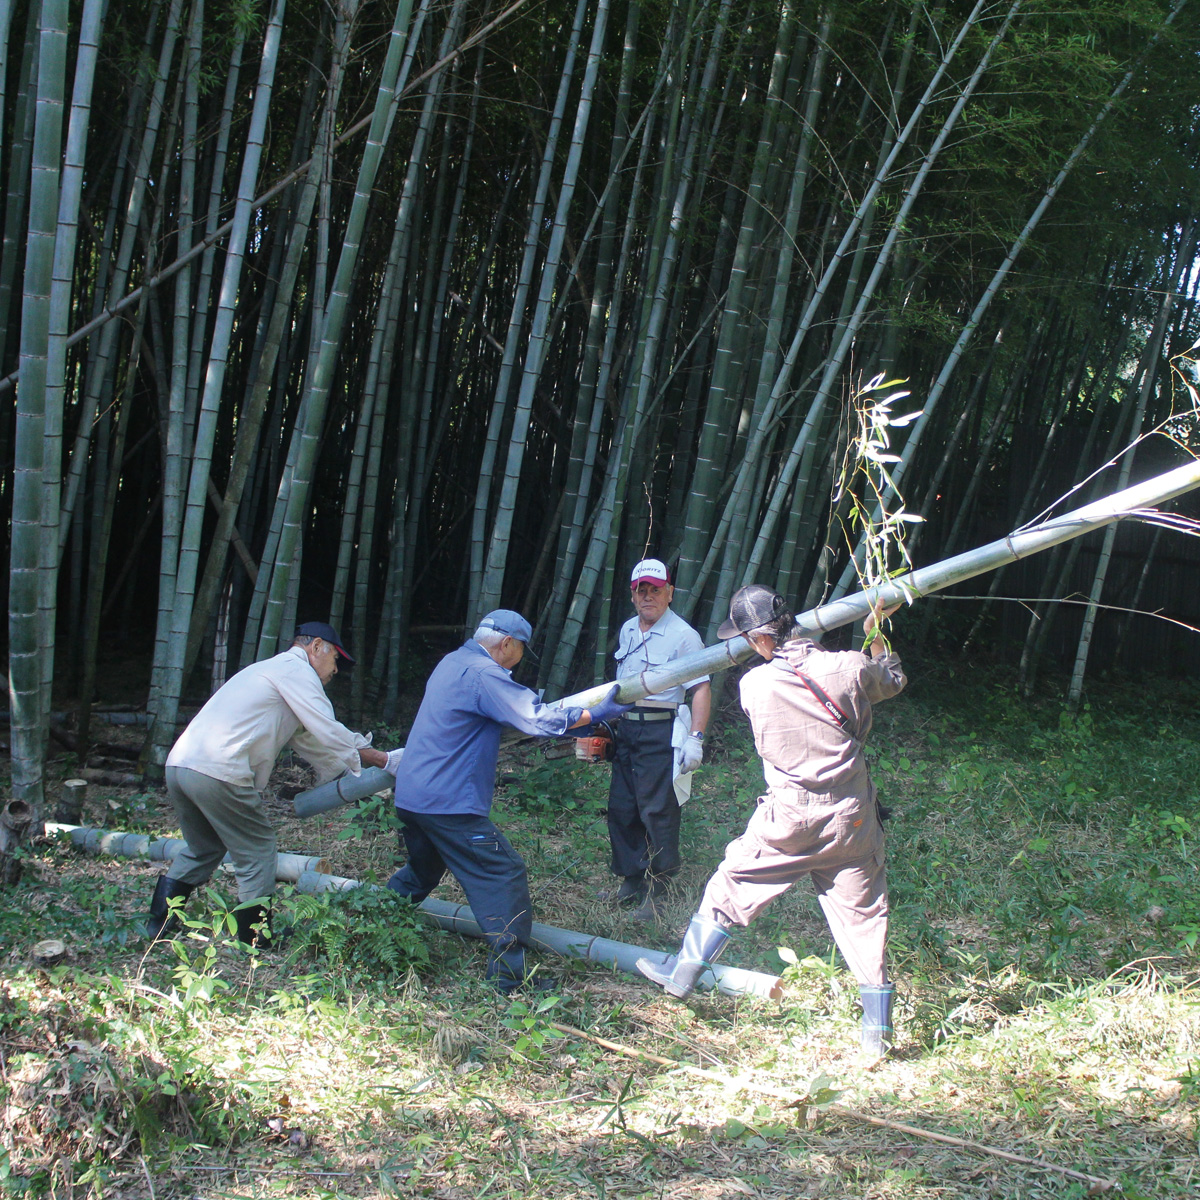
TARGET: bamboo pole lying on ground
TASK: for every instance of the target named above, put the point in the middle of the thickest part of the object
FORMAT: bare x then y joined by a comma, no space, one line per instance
288,867
311,875
903,589
458,918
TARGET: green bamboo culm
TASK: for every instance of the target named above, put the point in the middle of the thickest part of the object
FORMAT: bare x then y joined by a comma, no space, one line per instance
492,584
162,732
61,286
24,620
321,379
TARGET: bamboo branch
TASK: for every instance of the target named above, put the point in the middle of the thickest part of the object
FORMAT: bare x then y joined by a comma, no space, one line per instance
743,1083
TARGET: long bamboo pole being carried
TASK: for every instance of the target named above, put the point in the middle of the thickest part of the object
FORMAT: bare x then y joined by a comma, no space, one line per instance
903,589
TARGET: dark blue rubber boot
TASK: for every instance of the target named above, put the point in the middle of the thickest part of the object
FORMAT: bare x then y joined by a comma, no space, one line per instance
877,1018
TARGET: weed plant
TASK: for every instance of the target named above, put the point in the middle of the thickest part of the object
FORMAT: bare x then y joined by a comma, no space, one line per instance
1044,941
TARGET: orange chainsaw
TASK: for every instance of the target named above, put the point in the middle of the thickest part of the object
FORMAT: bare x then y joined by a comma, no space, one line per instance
599,747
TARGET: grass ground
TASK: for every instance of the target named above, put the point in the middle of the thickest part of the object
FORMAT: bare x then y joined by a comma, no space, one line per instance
1046,915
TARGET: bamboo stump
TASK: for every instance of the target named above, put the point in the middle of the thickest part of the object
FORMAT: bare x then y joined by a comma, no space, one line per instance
49,953
16,827
71,800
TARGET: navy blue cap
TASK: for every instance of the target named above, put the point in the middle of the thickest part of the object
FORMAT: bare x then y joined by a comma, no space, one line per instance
327,633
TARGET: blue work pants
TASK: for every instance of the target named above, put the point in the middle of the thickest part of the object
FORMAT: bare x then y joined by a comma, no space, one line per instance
490,872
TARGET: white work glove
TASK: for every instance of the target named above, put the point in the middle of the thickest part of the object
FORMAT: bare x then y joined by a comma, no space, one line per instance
691,755
393,763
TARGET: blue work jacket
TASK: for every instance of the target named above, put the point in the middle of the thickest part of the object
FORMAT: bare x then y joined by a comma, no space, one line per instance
449,763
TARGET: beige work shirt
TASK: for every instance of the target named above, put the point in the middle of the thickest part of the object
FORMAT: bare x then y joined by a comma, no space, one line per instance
799,743
239,733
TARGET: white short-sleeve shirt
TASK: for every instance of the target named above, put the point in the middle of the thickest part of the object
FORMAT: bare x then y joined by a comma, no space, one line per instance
669,638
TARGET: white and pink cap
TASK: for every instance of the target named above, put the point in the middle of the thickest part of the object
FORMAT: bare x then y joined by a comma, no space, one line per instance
650,570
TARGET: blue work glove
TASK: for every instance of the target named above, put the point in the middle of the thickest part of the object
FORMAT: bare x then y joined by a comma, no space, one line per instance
609,709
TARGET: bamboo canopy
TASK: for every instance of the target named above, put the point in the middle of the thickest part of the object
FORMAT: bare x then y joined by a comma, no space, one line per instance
903,589
330,313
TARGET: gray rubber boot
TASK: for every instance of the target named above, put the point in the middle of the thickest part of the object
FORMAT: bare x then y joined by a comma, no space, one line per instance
702,946
877,1018
161,922
657,887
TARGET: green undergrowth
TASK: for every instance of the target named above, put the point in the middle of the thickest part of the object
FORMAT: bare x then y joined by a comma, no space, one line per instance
1044,940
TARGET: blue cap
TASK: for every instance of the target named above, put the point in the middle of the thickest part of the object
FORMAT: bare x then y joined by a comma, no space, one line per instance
512,624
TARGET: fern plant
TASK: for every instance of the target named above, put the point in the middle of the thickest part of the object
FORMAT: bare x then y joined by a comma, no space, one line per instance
369,929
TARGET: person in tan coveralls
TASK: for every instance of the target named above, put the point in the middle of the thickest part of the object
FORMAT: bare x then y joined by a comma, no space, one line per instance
810,710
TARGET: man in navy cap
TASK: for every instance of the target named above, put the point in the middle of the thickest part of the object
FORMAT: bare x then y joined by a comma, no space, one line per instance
445,781
218,768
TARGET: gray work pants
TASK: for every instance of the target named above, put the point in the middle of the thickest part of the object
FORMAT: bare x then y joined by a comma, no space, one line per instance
216,816
838,843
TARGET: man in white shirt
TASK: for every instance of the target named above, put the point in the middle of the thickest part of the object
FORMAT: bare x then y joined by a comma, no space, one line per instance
643,812
218,768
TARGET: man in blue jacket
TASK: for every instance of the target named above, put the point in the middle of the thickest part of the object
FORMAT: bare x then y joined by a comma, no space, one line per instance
446,778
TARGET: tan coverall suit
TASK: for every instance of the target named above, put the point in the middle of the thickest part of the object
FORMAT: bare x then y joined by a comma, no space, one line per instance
819,816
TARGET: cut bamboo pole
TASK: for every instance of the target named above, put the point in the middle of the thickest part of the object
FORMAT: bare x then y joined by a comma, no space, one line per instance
458,918
116,844
903,589
71,799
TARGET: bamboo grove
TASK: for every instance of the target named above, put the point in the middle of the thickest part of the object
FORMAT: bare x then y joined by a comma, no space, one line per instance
389,312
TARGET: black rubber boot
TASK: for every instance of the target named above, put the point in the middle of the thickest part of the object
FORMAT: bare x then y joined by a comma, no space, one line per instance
508,972
657,888
877,1018
161,922
632,889
702,946
250,915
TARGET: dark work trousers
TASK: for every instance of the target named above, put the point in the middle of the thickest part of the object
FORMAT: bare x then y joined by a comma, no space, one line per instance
643,814
490,871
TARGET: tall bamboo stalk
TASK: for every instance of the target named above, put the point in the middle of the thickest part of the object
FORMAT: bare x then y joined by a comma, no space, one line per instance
320,381
1001,273
20,152
66,233
25,621
1154,346
162,732
492,584
100,369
